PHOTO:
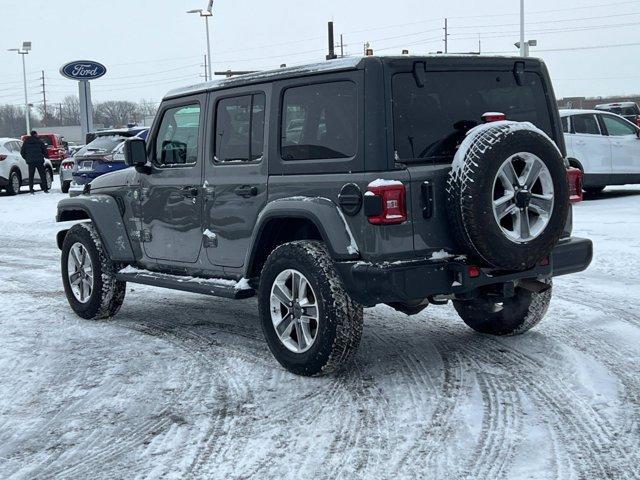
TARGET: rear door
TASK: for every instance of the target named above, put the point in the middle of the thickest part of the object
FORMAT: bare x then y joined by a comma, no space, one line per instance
590,145
171,194
235,186
625,145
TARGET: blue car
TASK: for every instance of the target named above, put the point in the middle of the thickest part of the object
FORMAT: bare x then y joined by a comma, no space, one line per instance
102,155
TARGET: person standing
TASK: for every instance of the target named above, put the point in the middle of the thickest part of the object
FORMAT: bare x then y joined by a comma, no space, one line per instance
34,152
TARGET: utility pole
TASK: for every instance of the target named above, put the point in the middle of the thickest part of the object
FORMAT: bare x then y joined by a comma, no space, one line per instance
44,101
446,35
341,47
522,45
206,77
479,45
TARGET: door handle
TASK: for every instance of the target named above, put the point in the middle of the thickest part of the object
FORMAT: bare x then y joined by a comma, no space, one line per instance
580,142
247,191
190,192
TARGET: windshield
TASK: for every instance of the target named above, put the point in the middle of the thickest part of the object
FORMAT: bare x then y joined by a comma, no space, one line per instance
623,110
101,145
431,121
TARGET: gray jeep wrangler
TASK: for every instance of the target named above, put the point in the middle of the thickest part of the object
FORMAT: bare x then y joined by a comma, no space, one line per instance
324,189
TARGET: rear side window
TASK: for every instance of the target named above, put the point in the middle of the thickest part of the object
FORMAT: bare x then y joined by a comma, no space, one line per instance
240,128
177,140
585,124
429,122
617,127
319,121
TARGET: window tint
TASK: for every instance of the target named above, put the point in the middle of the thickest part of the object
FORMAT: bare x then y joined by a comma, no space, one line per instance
431,121
617,127
177,140
565,124
102,144
319,121
46,139
240,128
585,124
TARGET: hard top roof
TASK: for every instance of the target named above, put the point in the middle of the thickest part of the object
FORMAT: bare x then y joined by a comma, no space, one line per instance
341,64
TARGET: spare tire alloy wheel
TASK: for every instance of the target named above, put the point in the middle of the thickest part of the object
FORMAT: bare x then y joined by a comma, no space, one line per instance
80,272
523,197
508,196
294,311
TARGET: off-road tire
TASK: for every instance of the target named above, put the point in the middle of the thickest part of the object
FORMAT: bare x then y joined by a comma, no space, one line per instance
10,189
65,186
108,293
340,317
470,196
516,315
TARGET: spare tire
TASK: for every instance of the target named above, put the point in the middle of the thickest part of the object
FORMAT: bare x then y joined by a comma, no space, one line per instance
507,195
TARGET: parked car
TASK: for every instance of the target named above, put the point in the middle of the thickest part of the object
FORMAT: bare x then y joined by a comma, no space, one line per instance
14,172
400,187
123,132
604,146
56,149
66,174
628,110
102,155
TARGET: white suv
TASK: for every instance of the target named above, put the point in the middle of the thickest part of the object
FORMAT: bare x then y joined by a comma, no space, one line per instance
605,146
14,171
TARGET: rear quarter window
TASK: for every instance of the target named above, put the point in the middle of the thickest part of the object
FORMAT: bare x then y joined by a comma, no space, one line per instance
319,121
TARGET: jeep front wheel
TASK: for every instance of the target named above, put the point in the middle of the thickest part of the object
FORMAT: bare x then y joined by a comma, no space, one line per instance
508,316
88,275
310,323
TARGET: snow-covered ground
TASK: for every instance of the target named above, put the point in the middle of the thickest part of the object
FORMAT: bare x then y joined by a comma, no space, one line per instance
183,386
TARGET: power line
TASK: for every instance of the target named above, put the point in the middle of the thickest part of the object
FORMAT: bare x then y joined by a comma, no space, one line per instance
572,49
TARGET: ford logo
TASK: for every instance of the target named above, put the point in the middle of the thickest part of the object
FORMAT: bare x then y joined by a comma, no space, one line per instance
83,70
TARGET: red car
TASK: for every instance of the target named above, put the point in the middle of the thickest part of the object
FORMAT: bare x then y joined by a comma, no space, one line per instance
56,149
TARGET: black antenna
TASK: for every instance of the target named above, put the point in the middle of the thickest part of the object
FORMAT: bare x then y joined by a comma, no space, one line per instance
332,49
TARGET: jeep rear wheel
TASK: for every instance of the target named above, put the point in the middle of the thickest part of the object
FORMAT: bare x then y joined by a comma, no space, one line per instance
508,196
508,316
88,275
310,323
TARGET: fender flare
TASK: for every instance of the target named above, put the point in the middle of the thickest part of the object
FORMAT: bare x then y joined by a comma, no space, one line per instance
322,212
573,160
104,212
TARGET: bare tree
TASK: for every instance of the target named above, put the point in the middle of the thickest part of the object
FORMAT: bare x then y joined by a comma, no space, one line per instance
11,121
116,113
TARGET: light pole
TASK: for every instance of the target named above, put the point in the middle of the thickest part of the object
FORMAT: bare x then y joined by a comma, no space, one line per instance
522,46
26,47
206,14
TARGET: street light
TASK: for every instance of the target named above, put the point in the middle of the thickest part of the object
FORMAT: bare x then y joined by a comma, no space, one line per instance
26,47
206,14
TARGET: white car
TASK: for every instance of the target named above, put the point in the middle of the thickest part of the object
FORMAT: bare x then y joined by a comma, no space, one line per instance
605,146
14,172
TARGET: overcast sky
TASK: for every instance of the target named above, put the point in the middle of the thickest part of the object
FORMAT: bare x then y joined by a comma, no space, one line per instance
151,46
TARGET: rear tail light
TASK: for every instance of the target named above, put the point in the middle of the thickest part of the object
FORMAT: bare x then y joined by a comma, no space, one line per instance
574,177
493,117
67,166
386,203
3,157
473,271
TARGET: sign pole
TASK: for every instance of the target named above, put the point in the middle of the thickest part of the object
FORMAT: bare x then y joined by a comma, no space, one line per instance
86,107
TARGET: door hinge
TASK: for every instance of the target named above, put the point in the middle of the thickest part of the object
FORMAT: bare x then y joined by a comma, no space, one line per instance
209,239
141,235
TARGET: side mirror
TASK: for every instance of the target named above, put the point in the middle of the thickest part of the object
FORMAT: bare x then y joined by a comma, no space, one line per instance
135,152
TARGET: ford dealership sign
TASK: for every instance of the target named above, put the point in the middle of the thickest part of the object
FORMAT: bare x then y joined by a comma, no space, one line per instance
83,70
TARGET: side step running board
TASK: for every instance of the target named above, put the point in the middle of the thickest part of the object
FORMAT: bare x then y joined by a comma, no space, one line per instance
213,287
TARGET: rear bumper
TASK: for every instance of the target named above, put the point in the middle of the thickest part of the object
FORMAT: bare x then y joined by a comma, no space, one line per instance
416,280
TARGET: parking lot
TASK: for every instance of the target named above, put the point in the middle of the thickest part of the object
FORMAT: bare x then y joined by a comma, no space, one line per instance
180,385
